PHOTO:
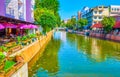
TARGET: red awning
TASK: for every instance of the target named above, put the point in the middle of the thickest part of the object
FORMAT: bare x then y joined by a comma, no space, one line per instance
98,25
117,24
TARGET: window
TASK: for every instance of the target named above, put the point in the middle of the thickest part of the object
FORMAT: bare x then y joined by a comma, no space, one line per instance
95,12
117,9
114,9
100,17
95,17
100,12
11,11
21,15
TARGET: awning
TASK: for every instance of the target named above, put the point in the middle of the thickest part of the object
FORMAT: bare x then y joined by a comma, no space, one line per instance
1,26
117,25
9,25
25,26
33,26
98,25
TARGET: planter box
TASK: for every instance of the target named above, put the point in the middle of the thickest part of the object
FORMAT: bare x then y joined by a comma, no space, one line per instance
16,48
24,43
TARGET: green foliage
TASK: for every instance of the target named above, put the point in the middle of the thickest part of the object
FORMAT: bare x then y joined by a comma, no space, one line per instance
4,49
73,21
24,38
108,23
58,19
2,56
46,14
62,24
82,23
32,35
8,65
48,21
18,38
49,4
69,24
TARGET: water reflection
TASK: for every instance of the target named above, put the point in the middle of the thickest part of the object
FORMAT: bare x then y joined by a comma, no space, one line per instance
95,48
69,55
48,62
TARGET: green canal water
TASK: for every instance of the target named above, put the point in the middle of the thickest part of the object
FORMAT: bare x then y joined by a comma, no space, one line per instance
72,55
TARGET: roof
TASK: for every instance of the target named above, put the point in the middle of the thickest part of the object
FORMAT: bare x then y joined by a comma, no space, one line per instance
117,25
98,25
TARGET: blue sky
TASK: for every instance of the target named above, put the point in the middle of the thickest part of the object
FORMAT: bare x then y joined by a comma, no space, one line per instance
71,7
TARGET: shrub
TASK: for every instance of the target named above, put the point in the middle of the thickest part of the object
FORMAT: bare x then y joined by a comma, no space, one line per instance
24,38
4,49
2,56
8,65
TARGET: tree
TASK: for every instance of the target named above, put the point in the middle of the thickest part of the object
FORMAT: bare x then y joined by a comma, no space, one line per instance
46,13
47,21
62,24
82,23
49,4
73,21
69,24
108,23
58,19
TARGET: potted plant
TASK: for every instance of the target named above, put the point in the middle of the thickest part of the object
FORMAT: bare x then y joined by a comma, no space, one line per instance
24,42
2,57
18,40
33,37
5,50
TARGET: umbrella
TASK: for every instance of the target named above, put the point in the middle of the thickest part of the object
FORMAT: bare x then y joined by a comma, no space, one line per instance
1,26
9,25
24,26
33,26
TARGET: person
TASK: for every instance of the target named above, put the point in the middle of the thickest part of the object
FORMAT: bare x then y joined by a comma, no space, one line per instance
11,35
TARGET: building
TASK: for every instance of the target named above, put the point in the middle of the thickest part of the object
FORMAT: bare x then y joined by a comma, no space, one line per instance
87,13
79,15
115,11
17,9
98,13
94,15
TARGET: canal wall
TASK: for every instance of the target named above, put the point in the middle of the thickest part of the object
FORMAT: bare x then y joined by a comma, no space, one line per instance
111,37
22,72
27,53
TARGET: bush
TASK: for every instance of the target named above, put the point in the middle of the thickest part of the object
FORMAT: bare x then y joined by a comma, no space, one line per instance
24,38
32,35
8,65
2,56
4,49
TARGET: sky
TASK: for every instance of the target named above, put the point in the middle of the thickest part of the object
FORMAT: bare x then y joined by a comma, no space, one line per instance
71,7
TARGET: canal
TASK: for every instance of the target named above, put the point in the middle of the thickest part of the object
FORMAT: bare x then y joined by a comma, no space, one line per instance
72,55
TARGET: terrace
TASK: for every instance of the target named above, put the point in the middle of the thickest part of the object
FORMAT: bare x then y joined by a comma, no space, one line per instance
14,36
